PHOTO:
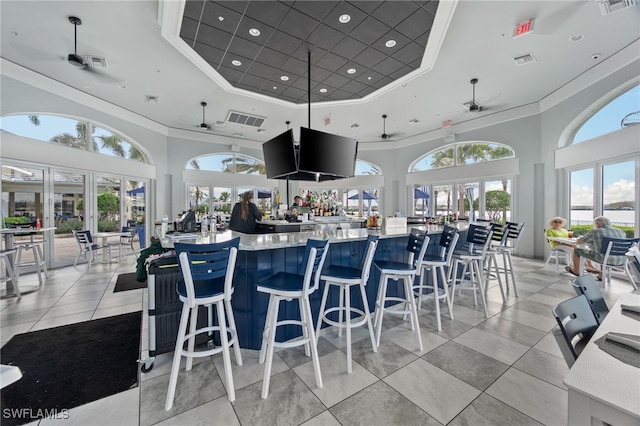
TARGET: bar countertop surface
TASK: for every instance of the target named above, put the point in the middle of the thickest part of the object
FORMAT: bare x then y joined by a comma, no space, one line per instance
251,242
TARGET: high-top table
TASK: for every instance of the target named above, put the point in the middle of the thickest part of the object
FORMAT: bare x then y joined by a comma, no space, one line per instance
9,235
600,386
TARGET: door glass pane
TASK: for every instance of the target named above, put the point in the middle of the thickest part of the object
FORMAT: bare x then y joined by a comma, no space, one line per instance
222,203
264,201
68,193
108,203
421,201
619,195
442,195
497,197
581,197
199,199
468,197
135,205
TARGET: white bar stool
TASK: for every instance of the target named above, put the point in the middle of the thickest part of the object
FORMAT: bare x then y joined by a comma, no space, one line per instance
472,258
394,270
344,277
286,286
38,257
7,257
212,267
435,263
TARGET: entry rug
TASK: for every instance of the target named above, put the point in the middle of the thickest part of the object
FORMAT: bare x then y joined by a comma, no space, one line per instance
128,281
68,366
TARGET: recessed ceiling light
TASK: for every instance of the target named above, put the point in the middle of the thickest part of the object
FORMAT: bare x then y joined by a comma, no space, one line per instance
323,90
369,78
355,125
254,32
437,114
344,18
122,86
284,78
351,71
575,38
151,99
404,84
275,87
237,135
236,62
220,18
390,43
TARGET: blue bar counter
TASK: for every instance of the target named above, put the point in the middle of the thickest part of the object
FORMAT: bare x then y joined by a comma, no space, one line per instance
262,255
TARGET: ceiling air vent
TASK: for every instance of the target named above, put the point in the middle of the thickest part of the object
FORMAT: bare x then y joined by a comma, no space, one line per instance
524,59
95,61
245,119
611,6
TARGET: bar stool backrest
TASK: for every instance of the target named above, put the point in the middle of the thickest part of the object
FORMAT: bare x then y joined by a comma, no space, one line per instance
586,284
207,262
370,239
417,247
478,238
575,318
314,255
513,231
448,241
372,245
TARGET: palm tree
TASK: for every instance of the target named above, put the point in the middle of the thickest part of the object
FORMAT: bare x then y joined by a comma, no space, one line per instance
243,165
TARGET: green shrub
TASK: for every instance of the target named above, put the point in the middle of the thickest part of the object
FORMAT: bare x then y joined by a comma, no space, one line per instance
107,226
17,220
583,229
68,226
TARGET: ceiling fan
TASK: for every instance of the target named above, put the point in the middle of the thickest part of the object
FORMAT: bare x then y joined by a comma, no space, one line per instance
91,62
384,134
203,125
472,105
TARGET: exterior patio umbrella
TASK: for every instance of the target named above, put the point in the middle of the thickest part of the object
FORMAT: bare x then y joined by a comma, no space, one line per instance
365,196
264,193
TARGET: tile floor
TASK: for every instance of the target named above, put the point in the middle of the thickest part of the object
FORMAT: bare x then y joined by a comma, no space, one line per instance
504,370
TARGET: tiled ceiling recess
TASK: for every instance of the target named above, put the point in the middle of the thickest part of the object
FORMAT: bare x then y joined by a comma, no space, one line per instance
380,42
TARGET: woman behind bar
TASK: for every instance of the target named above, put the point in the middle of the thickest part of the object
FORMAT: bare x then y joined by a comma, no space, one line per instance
245,214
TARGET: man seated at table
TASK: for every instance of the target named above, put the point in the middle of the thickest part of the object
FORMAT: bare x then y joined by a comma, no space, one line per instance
601,228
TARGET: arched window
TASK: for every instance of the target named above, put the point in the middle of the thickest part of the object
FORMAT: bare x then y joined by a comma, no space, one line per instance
364,168
462,153
621,112
79,134
227,163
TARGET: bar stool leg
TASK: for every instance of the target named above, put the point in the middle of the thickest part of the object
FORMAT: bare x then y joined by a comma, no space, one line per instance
305,332
476,264
382,290
368,317
323,304
234,331
192,340
308,325
270,336
177,355
267,328
415,326
226,356
347,312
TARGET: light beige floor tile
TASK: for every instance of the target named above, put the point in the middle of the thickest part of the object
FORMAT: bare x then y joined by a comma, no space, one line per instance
219,411
445,396
503,349
119,409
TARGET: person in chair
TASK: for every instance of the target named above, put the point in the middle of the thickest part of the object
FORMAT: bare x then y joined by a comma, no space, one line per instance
601,228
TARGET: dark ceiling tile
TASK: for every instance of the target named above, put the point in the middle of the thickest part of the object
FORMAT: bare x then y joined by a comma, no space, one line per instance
348,47
324,37
409,53
331,62
318,74
268,12
254,81
339,95
369,57
381,82
431,6
213,37
401,72
357,16
363,77
353,87
317,10
294,92
366,92
369,30
188,28
394,12
294,66
193,8
248,23
416,24
212,13
233,76
422,39
336,80
262,70
318,97
238,6
271,58
366,6
400,40
388,66
303,84
245,48
298,24
283,43
209,53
